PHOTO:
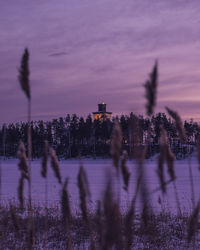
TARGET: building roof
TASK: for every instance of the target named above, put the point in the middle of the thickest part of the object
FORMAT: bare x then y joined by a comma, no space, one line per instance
101,112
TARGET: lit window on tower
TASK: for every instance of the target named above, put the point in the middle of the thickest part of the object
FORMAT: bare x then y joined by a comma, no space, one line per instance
102,114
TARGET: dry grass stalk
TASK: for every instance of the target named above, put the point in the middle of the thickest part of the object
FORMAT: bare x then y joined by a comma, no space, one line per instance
30,235
22,160
178,123
0,182
14,219
45,159
129,226
125,172
92,242
191,183
170,163
135,136
177,198
23,167
44,175
16,223
55,165
151,90
160,170
139,154
193,223
23,78
84,192
24,74
21,191
116,144
138,150
113,234
65,204
198,149
66,213
160,188
145,214
99,223
142,185
166,155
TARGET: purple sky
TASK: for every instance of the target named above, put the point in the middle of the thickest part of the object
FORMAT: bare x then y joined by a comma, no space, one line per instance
83,52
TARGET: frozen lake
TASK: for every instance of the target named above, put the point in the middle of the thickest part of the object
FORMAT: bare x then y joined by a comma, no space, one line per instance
97,171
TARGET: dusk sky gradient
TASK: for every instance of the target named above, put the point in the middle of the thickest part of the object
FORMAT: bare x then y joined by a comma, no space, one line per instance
83,52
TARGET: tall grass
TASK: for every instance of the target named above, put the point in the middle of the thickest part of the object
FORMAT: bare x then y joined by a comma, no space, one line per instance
24,81
108,227
44,175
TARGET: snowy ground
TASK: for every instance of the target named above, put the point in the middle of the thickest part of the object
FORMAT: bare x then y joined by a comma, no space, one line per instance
97,171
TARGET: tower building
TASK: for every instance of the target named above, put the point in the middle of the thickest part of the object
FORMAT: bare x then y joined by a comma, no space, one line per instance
102,114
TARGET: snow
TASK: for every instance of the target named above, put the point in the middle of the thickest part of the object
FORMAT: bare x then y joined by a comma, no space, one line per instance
97,170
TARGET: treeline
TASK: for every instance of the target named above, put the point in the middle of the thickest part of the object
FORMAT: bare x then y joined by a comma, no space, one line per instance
74,136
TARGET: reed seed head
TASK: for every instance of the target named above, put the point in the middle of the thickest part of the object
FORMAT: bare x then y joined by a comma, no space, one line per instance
24,73
22,159
55,165
166,155
179,124
151,90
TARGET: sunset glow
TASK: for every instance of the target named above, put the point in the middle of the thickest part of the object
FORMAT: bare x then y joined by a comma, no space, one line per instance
84,51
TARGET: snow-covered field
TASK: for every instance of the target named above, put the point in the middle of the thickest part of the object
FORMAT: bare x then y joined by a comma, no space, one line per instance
97,170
